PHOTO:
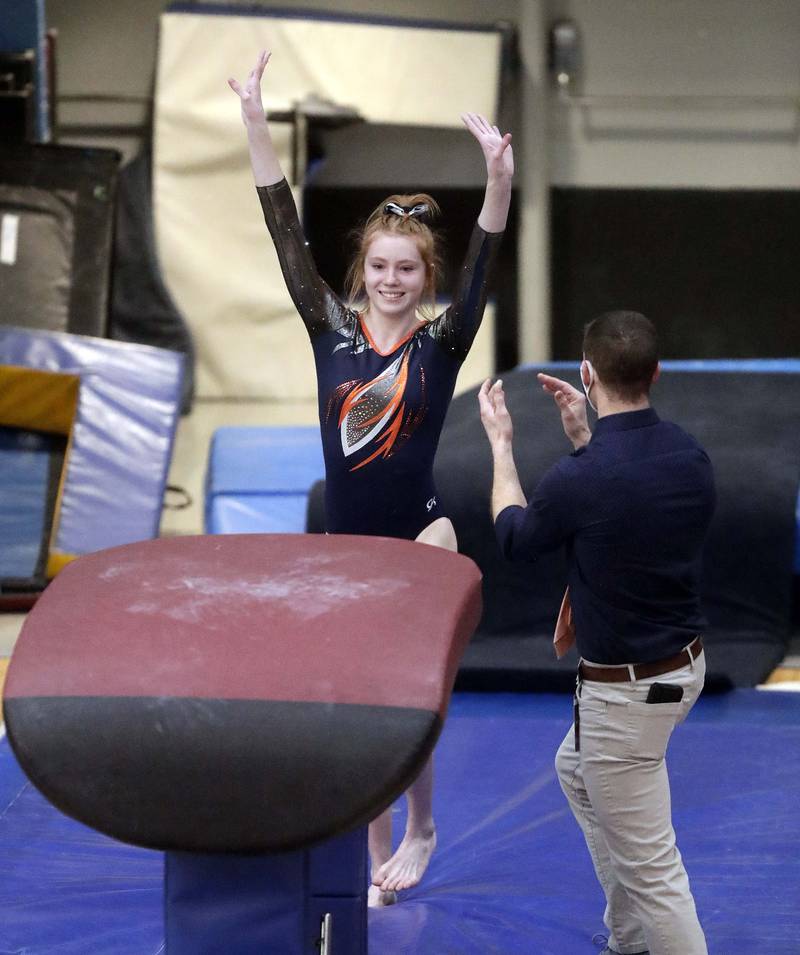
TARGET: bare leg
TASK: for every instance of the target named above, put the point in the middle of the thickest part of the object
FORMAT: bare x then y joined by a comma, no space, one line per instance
406,867
380,851
440,533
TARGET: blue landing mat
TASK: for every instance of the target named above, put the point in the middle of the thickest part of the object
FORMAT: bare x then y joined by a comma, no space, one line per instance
511,874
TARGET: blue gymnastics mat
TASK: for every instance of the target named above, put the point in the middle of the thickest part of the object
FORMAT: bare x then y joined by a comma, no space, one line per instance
511,875
258,479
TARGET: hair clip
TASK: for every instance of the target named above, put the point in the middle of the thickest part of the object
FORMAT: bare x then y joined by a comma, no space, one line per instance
395,209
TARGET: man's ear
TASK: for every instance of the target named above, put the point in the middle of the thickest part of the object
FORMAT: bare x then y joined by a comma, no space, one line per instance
586,375
656,373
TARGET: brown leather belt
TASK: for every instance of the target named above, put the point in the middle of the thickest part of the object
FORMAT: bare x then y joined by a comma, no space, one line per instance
642,671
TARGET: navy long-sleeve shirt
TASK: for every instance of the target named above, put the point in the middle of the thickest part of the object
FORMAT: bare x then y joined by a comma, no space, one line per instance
633,507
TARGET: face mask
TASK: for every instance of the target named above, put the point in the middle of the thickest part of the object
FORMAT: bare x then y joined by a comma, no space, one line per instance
588,388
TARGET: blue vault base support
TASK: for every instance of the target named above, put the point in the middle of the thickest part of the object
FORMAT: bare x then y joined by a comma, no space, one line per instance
309,902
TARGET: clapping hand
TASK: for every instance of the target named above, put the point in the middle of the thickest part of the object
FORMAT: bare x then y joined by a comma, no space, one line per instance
495,416
572,405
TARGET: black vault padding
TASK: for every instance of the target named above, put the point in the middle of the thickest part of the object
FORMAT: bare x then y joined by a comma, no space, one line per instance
74,226
215,774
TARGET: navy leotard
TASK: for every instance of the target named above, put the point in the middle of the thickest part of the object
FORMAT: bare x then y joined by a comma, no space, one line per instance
380,414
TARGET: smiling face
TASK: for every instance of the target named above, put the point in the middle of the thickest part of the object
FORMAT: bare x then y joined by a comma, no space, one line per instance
395,276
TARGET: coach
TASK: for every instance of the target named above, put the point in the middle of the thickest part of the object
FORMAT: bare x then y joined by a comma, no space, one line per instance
632,505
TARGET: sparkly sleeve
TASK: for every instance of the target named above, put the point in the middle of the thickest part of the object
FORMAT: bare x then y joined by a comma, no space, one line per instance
457,327
318,306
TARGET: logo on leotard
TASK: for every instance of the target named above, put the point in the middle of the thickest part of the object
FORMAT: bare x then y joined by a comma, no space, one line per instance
431,504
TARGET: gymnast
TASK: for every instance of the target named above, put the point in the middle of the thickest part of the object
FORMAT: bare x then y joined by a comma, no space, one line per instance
385,377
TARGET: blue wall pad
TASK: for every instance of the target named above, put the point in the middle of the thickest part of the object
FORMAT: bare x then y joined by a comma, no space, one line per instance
24,485
258,479
511,874
121,443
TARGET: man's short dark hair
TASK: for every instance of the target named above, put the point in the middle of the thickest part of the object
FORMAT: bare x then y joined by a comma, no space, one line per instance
623,349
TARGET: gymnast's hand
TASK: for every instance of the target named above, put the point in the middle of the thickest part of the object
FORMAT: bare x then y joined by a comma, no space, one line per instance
250,93
572,405
495,417
496,148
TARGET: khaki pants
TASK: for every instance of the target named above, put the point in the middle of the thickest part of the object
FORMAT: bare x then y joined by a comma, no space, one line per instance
618,789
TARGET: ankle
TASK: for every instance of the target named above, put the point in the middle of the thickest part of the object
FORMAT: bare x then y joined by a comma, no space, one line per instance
427,831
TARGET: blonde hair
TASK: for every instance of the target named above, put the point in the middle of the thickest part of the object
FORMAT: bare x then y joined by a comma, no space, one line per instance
414,227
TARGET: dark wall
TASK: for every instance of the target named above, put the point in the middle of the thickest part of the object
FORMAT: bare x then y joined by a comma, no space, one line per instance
716,270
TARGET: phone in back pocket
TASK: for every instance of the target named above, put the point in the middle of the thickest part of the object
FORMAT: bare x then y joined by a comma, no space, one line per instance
664,693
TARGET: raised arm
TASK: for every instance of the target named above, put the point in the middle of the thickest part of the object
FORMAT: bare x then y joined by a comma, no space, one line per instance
316,303
263,158
457,327
499,158
506,487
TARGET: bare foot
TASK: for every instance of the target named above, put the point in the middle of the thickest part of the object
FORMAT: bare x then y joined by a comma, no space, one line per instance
408,864
376,898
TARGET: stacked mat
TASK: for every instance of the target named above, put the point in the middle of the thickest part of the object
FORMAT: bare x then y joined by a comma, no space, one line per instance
86,433
258,479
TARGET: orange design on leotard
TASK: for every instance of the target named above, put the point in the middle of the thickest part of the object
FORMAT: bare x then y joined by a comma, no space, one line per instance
374,412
